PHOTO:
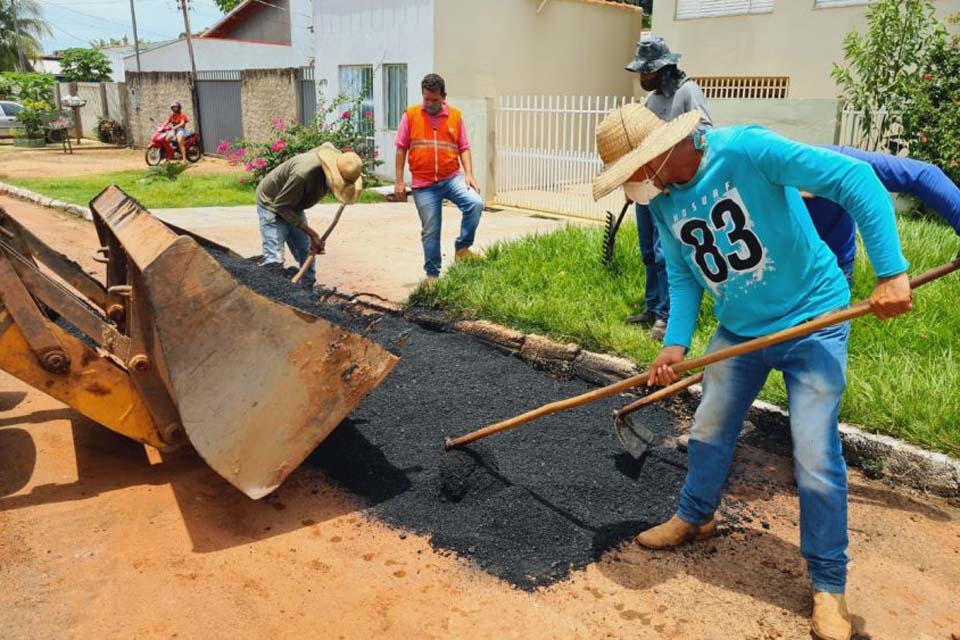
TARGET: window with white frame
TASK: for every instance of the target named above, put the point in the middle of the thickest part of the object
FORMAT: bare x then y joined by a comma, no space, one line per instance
839,3
394,93
687,9
356,81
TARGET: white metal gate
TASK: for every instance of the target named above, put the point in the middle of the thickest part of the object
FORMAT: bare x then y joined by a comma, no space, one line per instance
546,154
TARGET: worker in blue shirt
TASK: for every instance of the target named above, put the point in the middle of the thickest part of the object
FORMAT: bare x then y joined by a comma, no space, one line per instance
732,222
921,180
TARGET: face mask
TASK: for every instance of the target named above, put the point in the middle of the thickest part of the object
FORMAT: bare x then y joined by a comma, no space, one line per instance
651,84
433,108
644,191
641,192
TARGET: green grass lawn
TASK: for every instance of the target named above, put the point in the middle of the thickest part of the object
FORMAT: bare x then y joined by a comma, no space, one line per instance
188,190
904,375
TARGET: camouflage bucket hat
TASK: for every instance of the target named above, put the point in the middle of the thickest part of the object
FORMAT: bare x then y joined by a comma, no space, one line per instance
651,56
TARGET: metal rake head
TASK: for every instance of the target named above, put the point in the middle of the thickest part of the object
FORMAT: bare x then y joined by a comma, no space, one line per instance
609,239
635,438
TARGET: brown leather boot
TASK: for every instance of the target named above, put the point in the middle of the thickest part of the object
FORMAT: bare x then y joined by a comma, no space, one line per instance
831,621
465,255
675,532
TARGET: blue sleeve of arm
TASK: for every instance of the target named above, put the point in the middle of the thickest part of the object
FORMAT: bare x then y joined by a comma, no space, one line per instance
850,183
924,181
686,294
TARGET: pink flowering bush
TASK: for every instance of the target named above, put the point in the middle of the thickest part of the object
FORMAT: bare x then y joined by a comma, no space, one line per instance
338,122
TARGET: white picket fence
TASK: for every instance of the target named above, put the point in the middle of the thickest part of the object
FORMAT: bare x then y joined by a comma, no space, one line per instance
546,155
853,132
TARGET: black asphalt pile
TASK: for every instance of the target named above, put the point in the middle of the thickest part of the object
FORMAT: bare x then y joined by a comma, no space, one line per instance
527,505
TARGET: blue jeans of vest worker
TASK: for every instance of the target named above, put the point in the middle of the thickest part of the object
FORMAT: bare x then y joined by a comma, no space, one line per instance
814,369
429,201
657,294
276,232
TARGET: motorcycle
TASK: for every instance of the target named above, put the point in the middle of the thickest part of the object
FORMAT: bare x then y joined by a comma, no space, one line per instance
163,148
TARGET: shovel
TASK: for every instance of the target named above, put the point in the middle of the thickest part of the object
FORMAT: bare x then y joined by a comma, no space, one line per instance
313,254
862,308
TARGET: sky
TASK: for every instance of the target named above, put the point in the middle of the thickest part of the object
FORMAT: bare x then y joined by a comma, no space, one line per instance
76,22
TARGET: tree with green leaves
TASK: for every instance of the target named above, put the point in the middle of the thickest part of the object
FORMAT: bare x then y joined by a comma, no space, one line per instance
227,5
31,28
881,65
84,65
931,123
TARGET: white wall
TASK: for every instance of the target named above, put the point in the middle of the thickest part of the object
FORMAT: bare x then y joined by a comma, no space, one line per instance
374,32
219,55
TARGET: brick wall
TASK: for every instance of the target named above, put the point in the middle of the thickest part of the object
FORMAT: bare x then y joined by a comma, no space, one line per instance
266,94
149,95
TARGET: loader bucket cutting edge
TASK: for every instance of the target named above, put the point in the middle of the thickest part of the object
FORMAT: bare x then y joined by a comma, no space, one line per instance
258,385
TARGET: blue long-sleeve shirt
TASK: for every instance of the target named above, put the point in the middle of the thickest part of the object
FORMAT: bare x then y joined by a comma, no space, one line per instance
925,182
740,229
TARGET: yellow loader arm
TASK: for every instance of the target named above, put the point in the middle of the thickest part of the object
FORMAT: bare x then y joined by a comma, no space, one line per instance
181,352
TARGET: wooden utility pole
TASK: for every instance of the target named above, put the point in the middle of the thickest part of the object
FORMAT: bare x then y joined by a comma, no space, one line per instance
193,65
186,26
136,38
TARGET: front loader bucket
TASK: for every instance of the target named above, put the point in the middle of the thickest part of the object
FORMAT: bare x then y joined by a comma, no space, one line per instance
257,384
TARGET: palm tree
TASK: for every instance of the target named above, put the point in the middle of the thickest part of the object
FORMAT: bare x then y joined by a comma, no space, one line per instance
31,26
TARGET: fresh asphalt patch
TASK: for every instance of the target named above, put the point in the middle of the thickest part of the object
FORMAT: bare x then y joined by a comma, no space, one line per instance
527,505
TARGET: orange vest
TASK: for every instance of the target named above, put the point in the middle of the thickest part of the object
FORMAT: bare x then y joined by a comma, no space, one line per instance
434,153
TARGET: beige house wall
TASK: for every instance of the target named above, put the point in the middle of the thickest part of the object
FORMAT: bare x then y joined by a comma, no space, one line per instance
499,47
795,40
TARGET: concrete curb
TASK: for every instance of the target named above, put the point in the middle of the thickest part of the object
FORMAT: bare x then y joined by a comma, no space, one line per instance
44,201
878,456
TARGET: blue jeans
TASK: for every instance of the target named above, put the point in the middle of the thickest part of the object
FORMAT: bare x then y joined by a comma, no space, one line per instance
814,369
847,268
275,232
429,202
657,294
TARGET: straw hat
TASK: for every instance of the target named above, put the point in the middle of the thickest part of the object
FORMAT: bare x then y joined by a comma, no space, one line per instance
632,136
343,171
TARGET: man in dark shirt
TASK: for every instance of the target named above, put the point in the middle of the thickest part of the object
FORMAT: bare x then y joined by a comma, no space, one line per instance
671,93
296,185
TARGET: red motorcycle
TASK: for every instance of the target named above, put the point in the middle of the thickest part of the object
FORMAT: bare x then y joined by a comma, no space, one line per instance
163,148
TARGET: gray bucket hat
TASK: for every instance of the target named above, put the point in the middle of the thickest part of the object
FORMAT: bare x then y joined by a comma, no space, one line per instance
652,55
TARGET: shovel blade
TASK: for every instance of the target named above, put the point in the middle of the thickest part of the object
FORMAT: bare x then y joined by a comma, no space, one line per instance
635,438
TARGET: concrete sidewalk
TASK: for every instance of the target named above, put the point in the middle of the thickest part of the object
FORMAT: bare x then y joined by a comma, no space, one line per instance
375,247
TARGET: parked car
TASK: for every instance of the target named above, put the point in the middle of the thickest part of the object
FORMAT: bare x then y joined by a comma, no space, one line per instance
8,117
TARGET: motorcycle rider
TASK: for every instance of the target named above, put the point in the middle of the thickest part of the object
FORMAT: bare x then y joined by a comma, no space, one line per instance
177,122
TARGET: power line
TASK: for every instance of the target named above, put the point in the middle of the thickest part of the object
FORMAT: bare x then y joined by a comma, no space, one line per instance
102,19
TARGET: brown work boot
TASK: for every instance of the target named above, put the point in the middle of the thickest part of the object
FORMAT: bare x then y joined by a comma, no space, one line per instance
831,621
675,532
465,255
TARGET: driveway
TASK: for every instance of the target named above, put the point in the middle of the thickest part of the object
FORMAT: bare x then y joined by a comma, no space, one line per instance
375,247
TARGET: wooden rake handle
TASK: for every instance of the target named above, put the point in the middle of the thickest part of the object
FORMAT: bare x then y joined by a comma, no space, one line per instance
862,308
660,394
313,256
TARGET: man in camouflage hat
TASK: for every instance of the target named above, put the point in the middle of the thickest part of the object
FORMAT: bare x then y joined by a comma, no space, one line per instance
671,93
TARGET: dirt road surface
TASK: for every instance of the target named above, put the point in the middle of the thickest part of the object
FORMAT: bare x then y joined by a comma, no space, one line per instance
88,158
102,538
